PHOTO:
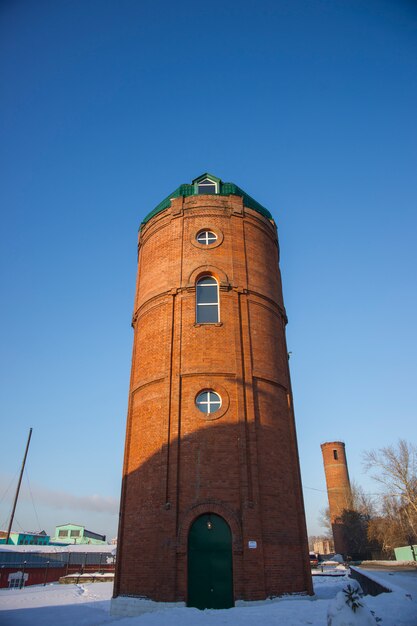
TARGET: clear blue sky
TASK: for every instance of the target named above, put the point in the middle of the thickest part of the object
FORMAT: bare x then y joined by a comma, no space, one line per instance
106,107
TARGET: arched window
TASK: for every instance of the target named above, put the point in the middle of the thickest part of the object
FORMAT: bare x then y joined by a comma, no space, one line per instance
207,301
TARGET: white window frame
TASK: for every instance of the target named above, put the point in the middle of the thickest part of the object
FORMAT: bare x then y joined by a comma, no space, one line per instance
208,402
199,304
203,183
207,233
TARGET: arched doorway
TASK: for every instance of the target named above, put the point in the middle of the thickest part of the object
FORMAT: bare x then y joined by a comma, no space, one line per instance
210,574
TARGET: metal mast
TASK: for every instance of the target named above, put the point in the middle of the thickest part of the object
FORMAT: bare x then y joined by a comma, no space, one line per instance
18,488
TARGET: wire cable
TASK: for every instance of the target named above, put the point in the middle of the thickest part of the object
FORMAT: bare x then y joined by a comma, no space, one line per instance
6,521
365,494
33,502
7,490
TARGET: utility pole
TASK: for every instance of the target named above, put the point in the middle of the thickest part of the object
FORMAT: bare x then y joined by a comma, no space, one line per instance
18,487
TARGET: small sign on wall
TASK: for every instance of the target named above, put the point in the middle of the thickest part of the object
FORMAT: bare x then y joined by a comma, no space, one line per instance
252,545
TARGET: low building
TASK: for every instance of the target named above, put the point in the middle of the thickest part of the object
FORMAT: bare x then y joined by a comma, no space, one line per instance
324,546
24,565
74,534
25,538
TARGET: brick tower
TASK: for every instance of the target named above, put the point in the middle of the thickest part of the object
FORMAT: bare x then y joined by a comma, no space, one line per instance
338,490
212,508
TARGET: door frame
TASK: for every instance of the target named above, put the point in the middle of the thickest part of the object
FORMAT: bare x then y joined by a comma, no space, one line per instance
211,516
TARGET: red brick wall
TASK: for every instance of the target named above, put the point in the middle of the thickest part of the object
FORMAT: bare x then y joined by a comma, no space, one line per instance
242,465
338,489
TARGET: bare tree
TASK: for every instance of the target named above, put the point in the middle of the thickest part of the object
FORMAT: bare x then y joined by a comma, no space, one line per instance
354,519
324,521
395,467
390,528
361,502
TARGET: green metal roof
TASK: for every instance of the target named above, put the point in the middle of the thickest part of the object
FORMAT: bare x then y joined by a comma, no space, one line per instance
225,189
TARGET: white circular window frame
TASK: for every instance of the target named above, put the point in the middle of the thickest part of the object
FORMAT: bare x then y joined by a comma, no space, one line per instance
211,385
208,413
207,232
203,246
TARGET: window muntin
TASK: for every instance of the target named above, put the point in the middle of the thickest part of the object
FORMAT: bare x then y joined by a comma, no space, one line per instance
207,186
207,301
206,237
208,401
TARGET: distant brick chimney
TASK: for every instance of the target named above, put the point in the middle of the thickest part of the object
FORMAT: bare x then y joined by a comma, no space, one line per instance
338,490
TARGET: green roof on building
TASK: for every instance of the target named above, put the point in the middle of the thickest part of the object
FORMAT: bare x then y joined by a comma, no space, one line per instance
222,189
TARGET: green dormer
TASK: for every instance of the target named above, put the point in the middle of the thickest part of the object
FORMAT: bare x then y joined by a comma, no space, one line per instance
208,184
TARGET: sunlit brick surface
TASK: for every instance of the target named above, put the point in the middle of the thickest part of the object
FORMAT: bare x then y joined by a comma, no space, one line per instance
241,462
338,489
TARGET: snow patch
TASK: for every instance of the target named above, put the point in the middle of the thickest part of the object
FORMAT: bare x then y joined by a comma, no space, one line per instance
340,613
88,604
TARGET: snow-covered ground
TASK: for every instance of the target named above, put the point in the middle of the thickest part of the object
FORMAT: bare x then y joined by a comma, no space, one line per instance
88,605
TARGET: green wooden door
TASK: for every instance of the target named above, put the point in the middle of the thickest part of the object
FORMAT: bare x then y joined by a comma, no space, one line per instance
210,576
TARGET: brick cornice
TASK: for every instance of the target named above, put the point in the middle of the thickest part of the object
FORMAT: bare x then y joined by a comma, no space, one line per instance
223,287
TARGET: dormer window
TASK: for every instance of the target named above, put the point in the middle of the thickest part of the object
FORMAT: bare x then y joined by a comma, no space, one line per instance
207,186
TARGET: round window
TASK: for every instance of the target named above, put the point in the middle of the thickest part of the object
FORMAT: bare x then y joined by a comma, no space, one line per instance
208,401
206,237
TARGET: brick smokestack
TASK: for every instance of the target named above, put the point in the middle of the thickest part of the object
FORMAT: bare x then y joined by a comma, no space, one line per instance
338,489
